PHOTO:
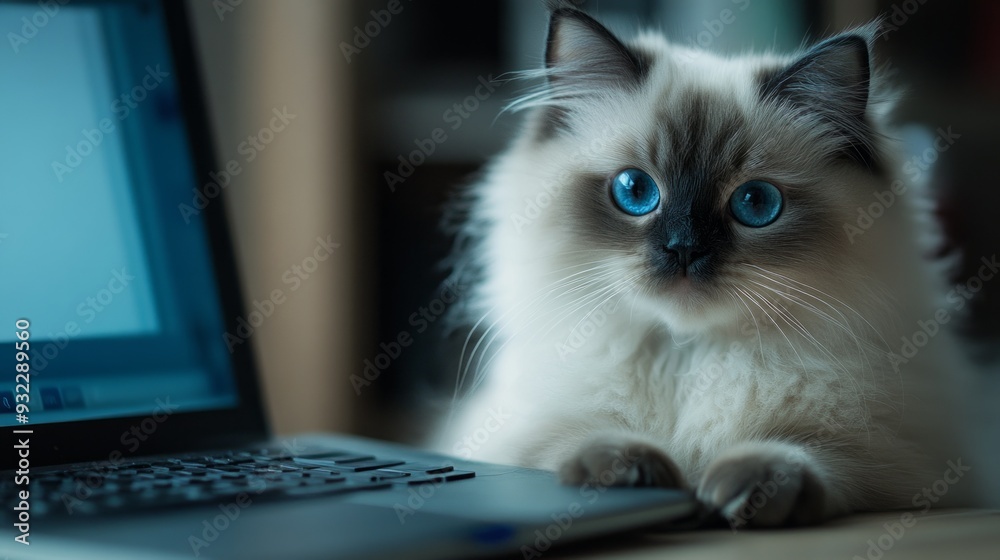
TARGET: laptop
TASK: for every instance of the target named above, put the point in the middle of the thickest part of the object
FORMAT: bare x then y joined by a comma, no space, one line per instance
132,429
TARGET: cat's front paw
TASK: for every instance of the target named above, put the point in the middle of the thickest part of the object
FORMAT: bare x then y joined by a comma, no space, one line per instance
764,486
611,461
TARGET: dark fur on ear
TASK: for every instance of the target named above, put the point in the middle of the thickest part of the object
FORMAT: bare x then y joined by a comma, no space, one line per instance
833,82
578,47
582,58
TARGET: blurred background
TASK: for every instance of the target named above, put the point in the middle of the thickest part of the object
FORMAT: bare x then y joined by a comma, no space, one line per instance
371,80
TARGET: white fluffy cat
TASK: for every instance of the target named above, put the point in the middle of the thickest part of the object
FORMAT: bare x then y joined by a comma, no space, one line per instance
671,292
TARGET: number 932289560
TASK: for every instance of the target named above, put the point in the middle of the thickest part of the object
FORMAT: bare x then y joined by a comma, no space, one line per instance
22,369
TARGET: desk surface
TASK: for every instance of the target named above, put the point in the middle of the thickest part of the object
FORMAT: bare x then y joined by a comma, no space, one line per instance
947,534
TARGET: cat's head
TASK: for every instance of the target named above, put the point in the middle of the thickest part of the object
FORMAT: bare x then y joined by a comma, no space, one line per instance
705,179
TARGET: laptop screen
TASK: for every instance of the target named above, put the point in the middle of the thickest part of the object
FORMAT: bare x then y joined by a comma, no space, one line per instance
103,250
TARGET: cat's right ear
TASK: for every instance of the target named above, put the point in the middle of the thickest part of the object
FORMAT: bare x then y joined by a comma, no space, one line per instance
582,53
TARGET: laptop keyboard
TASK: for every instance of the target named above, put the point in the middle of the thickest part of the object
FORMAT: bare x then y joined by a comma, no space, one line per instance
256,474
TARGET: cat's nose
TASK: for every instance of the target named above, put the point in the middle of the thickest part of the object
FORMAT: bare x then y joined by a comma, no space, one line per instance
685,252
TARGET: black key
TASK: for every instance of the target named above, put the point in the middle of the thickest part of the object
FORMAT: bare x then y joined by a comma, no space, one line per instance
423,467
312,482
319,472
326,475
361,466
322,454
332,478
358,465
436,478
378,476
422,479
353,458
458,475
337,459
281,457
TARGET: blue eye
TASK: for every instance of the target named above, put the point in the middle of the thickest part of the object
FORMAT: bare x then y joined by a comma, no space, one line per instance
756,204
635,192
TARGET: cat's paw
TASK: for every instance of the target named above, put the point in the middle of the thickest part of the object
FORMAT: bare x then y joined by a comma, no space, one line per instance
619,462
764,486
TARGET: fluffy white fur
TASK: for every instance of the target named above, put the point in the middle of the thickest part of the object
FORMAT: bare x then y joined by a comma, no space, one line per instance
780,368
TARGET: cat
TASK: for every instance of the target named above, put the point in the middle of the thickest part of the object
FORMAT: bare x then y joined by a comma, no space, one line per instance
669,292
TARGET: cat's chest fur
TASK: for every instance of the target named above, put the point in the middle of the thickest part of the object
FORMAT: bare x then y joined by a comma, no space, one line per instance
699,396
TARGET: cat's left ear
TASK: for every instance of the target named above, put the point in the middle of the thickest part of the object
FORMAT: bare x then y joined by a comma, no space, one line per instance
583,53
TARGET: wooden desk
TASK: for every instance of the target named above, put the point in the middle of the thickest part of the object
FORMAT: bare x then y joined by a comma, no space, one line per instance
942,535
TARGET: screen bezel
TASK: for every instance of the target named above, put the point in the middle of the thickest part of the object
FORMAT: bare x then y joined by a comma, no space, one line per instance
103,439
